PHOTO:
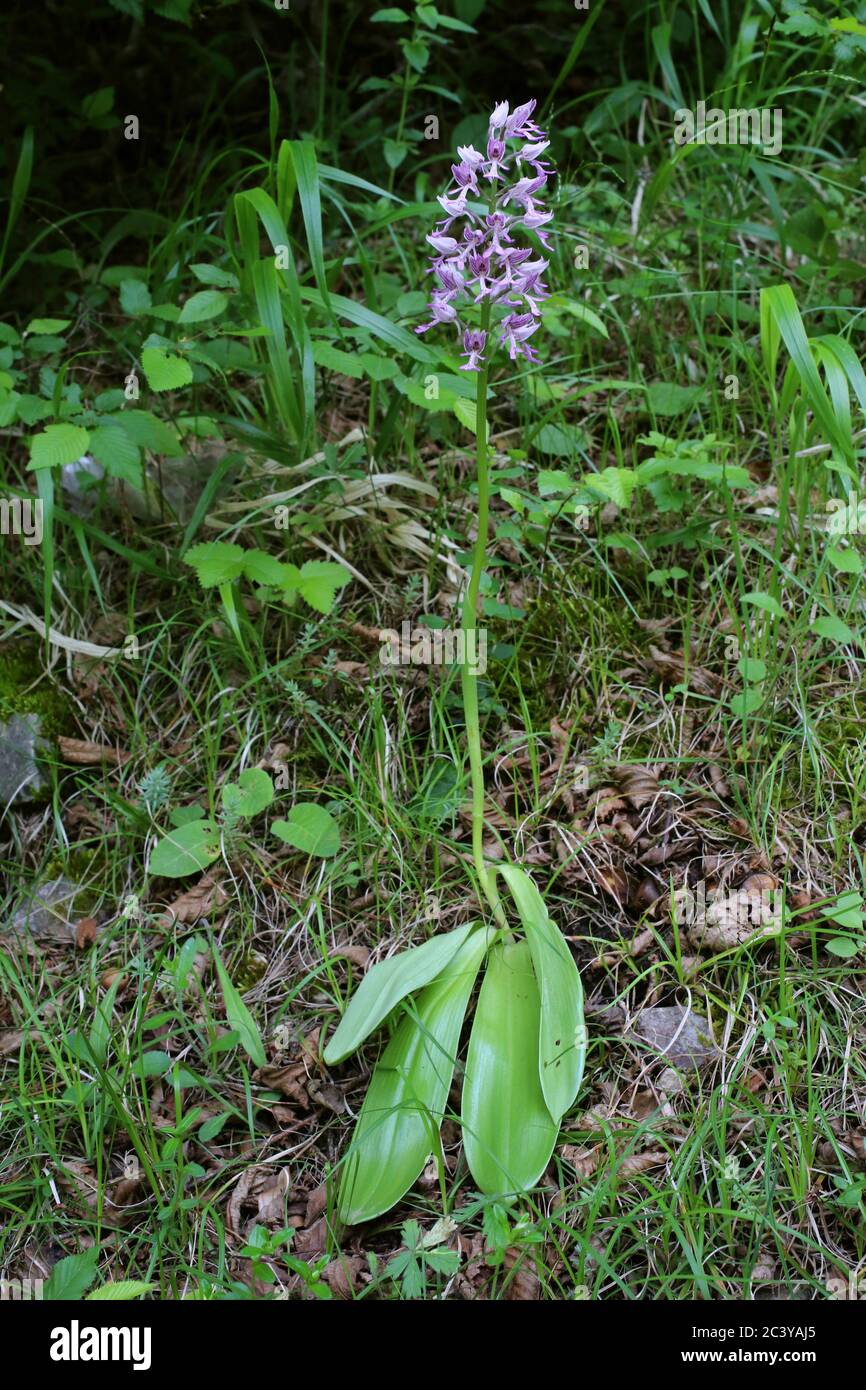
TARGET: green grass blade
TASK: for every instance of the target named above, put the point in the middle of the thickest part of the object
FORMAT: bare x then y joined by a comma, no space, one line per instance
239,1017
270,311
20,185
508,1131
379,327
779,312
402,1111
307,176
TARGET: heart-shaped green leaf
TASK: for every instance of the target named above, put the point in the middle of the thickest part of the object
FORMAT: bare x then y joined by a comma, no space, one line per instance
164,370
250,794
311,829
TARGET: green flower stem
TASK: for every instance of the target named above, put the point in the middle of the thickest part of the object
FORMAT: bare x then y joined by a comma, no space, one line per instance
469,624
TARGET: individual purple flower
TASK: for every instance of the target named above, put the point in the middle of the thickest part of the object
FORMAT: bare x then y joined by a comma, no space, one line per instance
473,345
485,259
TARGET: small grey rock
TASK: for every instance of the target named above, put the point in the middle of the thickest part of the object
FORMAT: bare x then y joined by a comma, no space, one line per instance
47,913
21,775
680,1036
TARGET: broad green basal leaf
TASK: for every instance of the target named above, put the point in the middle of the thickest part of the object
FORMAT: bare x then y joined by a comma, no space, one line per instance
562,1033
386,984
508,1131
398,1126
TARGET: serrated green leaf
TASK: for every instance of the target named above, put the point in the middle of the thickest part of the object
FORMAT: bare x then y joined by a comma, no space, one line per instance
616,483
319,582
311,829
239,1017
164,370
134,296
562,1033
120,1291
508,1131
385,984
111,446
398,1125
58,445
203,305
214,275
149,432
335,360
261,568
72,1276
377,367
186,849
216,562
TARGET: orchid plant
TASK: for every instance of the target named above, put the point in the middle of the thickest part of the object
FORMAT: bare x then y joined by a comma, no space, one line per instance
527,1045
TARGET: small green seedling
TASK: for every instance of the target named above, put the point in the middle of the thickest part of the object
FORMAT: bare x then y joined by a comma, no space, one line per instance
220,565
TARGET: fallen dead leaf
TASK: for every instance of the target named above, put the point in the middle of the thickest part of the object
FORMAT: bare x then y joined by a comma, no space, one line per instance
201,900
523,1284
358,955
259,1195
85,932
735,918
81,751
344,1275
633,1164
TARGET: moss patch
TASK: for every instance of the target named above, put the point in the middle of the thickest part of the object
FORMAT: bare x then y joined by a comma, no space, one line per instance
25,690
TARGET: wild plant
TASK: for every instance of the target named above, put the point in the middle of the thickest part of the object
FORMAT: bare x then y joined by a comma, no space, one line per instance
527,1045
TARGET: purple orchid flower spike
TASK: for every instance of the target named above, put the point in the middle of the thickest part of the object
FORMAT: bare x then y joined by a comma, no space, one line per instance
482,261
